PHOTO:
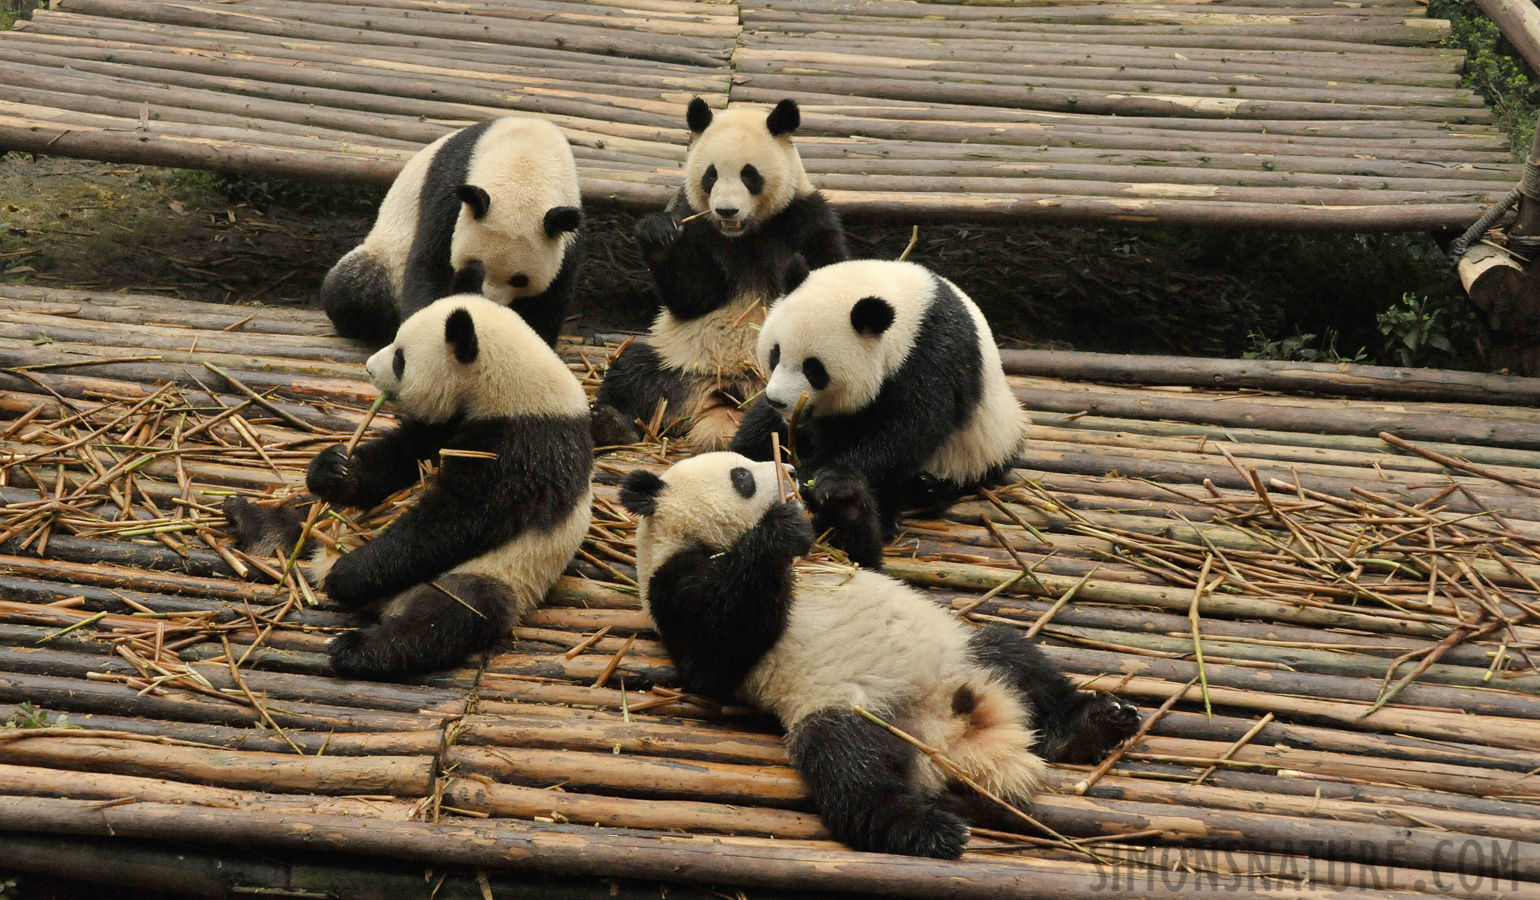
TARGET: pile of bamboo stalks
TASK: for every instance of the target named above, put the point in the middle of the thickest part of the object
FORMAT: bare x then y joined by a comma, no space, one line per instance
1306,114
1333,634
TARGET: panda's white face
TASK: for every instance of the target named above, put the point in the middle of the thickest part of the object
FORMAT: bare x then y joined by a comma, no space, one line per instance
742,167
841,333
517,258
466,355
712,498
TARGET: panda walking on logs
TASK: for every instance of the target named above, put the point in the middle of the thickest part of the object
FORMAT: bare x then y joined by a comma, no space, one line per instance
492,209
902,399
495,526
716,552
752,216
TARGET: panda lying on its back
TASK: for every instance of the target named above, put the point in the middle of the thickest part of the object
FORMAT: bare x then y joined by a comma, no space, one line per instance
907,403
489,536
492,209
756,216
715,552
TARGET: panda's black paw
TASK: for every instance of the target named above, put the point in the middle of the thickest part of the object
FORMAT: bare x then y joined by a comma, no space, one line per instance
931,832
348,583
788,533
329,474
1105,722
843,504
656,233
611,428
260,530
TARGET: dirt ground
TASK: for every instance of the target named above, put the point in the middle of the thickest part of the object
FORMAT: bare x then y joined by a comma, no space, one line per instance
75,223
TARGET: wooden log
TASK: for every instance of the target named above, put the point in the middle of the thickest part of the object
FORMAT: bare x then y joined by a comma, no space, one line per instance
332,743
609,735
562,849
638,776
1417,847
1354,420
584,40
75,696
404,776
513,801
1143,790
1376,382
1516,734
39,781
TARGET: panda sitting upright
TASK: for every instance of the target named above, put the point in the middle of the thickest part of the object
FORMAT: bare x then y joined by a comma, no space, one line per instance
490,534
755,215
492,209
907,404
716,553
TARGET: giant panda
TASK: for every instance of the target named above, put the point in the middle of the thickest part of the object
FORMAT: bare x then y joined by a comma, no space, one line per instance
488,537
717,551
755,215
907,404
492,209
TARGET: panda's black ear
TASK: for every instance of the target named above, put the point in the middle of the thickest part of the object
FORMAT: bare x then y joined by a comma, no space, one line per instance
639,492
871,316
698,116
796,273
460,333
785,118
475,198
560,219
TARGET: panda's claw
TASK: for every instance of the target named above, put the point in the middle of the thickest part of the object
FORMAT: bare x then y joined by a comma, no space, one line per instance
656,232
328,472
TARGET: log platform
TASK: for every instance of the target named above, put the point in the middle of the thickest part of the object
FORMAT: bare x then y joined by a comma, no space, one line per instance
1327,605
1287,114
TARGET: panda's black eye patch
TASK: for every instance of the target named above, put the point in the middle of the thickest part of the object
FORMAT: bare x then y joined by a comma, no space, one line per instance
743,482
775,356
709,180
816,374
752,180
398,364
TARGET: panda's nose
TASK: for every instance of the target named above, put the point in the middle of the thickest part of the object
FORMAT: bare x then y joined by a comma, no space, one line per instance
726,212
519,280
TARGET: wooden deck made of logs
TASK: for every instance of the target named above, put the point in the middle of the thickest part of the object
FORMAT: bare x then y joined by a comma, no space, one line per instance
1321,584
1290,114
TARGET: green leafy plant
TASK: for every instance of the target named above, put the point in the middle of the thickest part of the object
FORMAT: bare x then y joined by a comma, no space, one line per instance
1493,69
1301,347
29,716
1421,331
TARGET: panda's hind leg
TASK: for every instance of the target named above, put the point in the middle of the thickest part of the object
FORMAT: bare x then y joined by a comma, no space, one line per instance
1073,726
860,778
428,628
635,383
360,300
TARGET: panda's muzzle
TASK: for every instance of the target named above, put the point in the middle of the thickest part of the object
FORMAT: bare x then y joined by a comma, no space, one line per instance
728,221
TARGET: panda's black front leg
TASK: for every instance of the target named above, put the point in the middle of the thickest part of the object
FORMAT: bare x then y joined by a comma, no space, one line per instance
858,775
753,436
378,467
843,504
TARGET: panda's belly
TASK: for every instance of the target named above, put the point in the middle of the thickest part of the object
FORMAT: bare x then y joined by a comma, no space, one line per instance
991,438
721,342
531,563
867,641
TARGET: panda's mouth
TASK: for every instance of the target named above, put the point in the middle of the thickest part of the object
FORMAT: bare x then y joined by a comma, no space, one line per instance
732,227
